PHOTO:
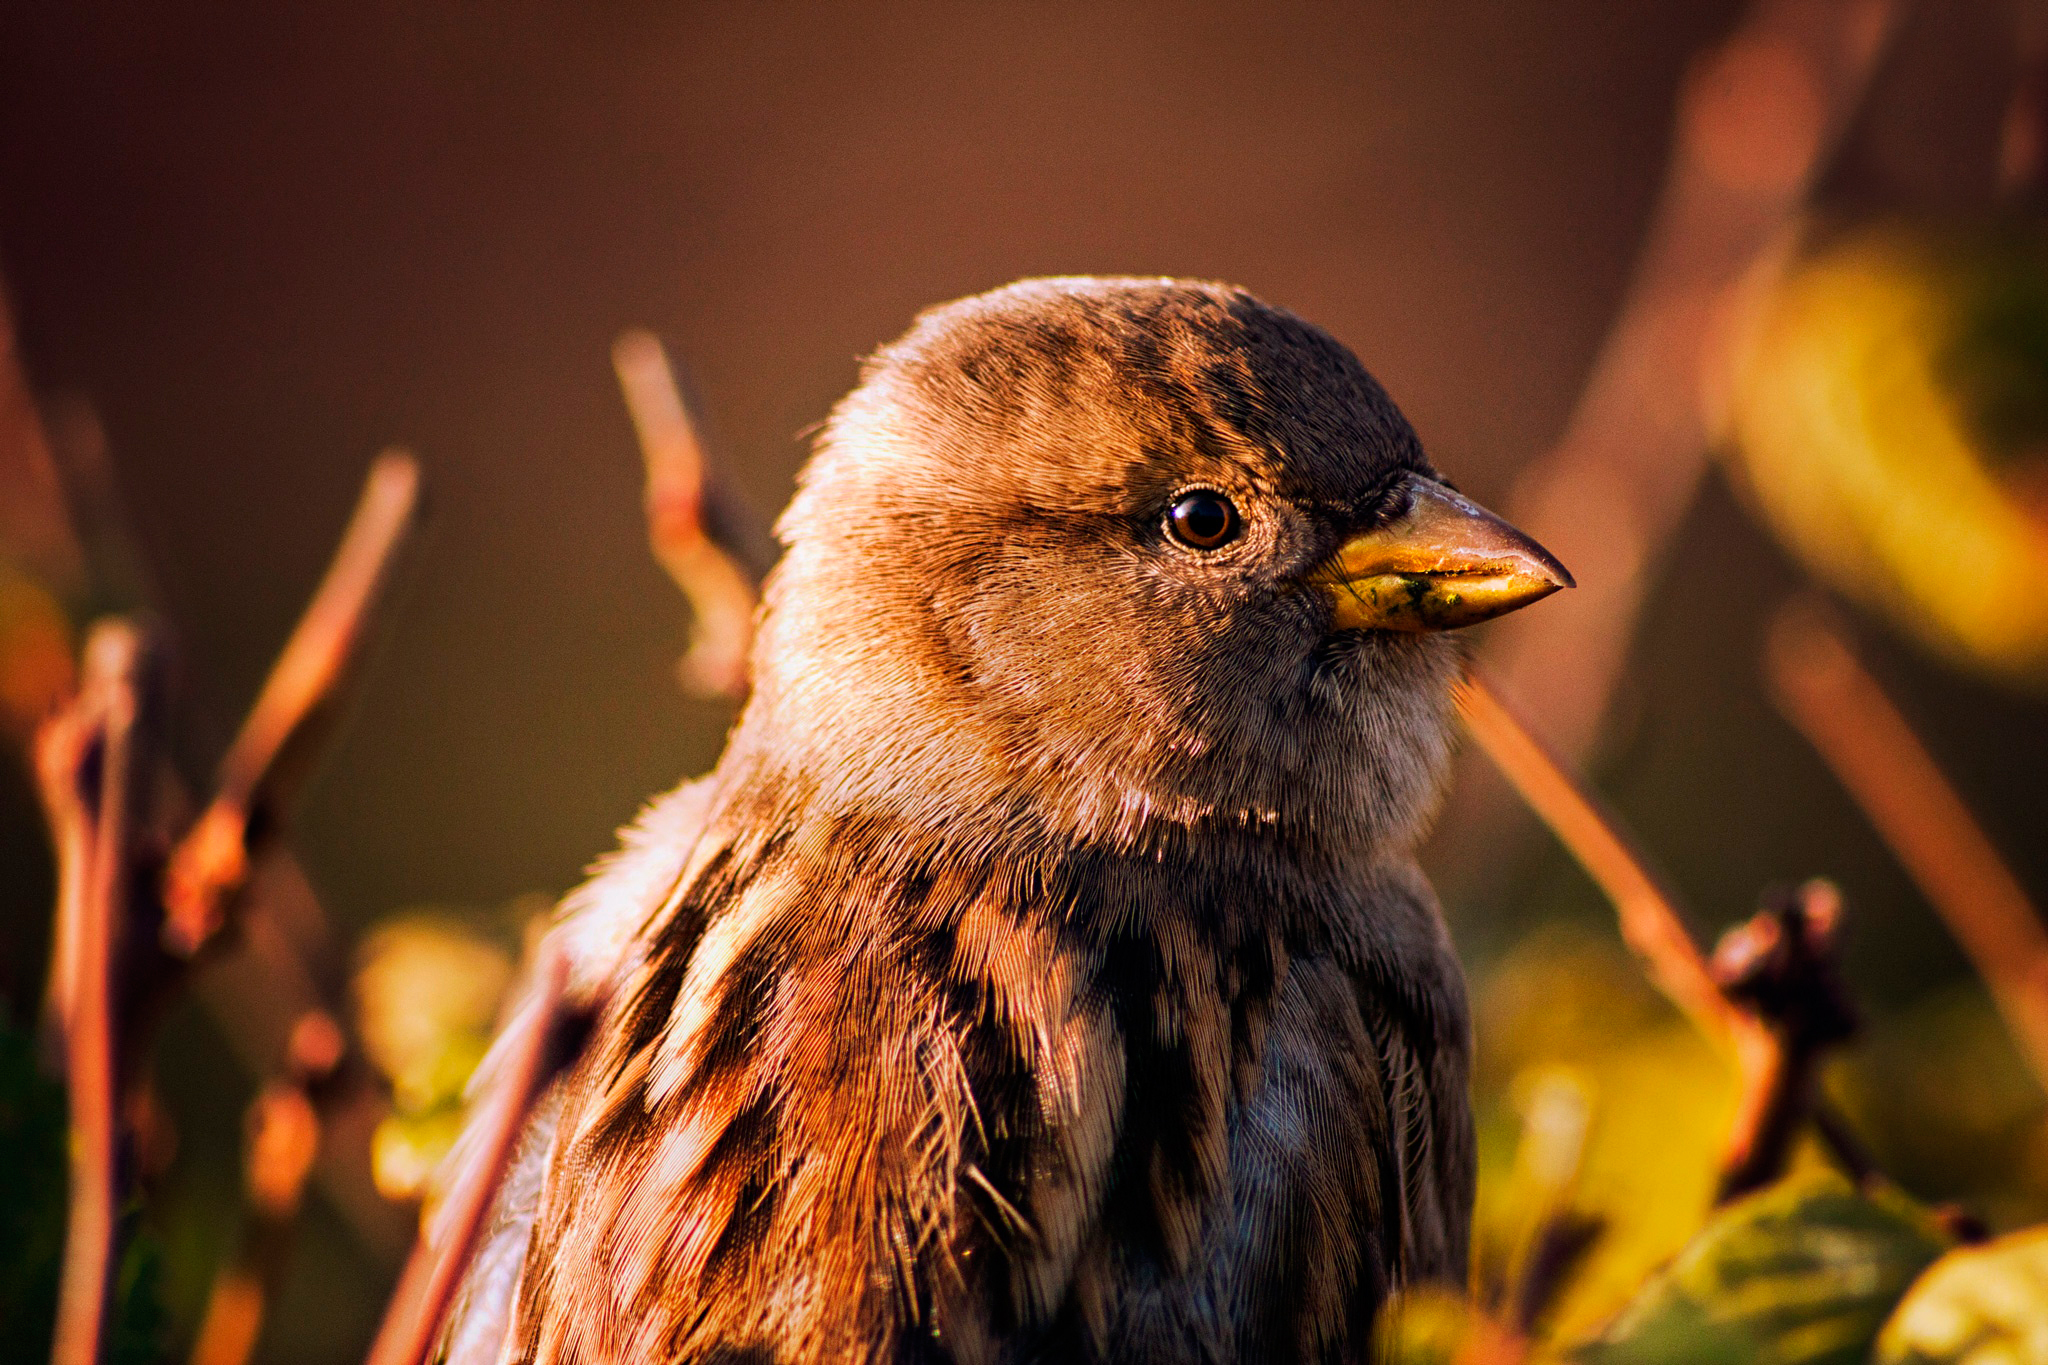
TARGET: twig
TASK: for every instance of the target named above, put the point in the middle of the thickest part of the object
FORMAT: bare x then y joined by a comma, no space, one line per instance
118,668
720,592
61,746
284,1138
1774,1029
1831,698
211,862
1757,119
210,868
1781,967
531,1054
59,519
1650,922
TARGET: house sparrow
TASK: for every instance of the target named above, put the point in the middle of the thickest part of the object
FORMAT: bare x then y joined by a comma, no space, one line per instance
1044,973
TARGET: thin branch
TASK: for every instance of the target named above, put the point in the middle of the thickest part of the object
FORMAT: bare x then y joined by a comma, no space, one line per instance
117,669
61,747
1758,118
528,1057
1769,996
1830,697
1781,968
285,1128
59,518
720,592
211,862
1650,922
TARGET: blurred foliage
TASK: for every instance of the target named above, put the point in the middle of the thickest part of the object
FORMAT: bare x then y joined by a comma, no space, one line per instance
428,987
1659,1104
1801,1273
33,1180
1948,1108
1889,413
1596,1101
1983,1305
1428,1325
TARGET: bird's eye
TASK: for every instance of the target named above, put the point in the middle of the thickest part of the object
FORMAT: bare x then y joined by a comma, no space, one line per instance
1203,519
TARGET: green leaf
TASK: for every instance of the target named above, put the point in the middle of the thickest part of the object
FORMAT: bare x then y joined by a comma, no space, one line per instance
1801,1273
1985,1305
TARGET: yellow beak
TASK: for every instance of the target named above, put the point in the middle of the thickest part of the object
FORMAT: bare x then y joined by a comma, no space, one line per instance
1446,562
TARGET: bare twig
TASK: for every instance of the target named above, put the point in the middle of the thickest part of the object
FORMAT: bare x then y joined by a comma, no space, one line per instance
1769,998
529,1054
58,519
108,804
1757,118
1827,693
211,862
721,593
1781,967
1650,922
284,1138
61,746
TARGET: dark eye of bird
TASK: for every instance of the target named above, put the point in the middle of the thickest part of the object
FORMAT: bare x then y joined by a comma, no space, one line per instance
1203,519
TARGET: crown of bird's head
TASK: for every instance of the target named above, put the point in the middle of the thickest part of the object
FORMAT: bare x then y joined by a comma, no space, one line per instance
1121,559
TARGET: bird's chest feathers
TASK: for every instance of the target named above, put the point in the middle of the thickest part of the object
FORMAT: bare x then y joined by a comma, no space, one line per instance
957,1088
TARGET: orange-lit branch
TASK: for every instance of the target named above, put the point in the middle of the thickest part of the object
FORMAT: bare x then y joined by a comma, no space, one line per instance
284,1137
98,823
1757,121
720,592
1650,921
211,862
1780,962
527,1058
1824,689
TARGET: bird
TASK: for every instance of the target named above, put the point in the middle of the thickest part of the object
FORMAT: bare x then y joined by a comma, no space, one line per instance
1044,972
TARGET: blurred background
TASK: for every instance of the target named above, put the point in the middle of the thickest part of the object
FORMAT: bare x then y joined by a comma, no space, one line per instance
246,246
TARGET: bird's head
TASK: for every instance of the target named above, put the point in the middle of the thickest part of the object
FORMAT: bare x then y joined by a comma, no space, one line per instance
1121,559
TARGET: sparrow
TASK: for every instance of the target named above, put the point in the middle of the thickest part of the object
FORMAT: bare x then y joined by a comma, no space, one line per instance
1044,972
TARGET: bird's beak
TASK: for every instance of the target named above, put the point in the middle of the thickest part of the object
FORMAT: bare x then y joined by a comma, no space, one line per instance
1446,562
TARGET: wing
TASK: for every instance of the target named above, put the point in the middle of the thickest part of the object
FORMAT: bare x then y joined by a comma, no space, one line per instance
600,927
1411,997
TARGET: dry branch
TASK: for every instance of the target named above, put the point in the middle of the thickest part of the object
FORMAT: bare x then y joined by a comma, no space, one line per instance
1757,119
1650,922
100,765
1781,967
721,593
284,1137
1770,996
59,519
211,862
96,763
1827,693
528,1053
